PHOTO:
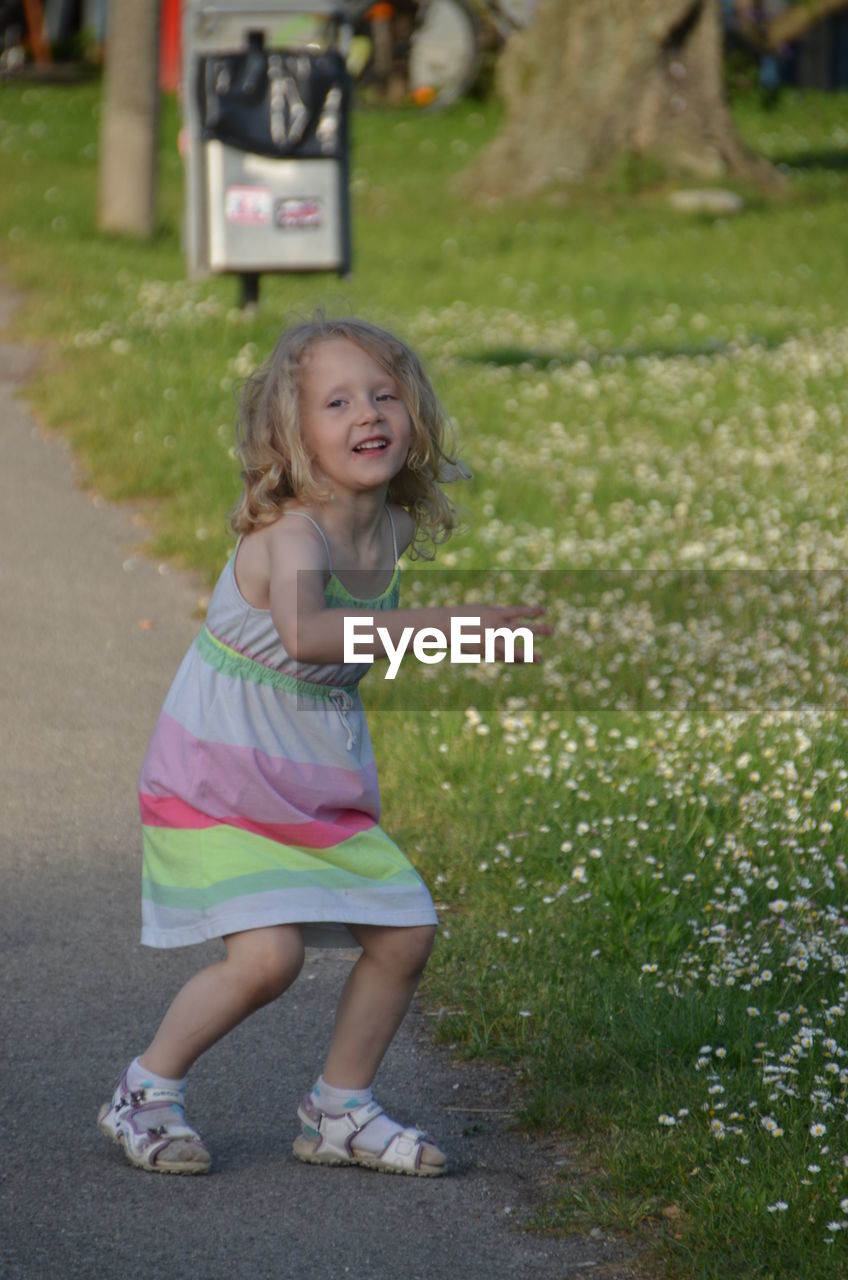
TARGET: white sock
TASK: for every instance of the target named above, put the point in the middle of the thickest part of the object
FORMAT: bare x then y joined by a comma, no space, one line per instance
139,1077
376,1135
334,1101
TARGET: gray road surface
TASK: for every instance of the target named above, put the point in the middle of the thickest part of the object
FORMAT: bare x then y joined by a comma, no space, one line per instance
91,635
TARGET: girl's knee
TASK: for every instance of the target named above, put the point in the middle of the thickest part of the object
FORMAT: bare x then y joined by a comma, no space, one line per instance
423,942
405,951
267,961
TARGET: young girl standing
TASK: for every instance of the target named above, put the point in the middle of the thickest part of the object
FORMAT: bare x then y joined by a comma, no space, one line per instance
258,794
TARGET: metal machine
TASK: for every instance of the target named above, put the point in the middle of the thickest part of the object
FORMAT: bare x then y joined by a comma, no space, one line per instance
266,103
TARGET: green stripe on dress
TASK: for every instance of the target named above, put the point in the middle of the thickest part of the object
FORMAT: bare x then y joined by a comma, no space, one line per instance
191,858
337,595
229,662
195,898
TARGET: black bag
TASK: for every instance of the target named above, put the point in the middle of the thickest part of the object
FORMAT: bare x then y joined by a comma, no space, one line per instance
275,103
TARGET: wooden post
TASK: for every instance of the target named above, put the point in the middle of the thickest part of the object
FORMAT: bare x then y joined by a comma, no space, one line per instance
129,123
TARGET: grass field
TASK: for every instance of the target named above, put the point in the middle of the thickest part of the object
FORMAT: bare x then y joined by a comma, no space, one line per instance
640,845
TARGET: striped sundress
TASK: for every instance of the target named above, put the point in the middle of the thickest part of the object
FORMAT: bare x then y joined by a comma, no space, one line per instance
258,794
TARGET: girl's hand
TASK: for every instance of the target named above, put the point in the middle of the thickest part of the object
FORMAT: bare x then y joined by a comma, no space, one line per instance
507,618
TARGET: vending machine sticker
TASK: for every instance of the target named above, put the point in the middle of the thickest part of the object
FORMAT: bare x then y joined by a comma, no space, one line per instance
250,205
297,213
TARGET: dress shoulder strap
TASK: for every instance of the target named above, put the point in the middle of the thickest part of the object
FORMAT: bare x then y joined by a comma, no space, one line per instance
320,531
394,532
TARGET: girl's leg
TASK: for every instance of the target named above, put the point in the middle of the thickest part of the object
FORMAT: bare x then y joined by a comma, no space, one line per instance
375,1000
146,1116
259,966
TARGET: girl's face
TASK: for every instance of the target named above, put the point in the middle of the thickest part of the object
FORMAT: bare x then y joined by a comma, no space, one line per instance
353,421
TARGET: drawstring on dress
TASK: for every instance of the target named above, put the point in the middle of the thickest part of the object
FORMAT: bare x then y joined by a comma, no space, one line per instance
343,703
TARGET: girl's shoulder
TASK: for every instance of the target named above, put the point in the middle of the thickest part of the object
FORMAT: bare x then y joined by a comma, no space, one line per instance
287,542
297,537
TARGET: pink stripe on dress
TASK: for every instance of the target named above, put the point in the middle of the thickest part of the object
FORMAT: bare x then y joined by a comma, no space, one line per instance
174,814
219,779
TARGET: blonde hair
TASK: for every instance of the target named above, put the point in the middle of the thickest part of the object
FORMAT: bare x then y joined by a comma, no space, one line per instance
275,464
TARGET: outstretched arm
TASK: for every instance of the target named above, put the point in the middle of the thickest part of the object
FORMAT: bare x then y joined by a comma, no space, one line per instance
311,632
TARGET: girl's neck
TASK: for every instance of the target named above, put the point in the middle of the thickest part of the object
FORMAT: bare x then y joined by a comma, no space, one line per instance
354,525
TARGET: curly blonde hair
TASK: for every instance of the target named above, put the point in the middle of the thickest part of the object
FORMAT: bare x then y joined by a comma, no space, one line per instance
276,467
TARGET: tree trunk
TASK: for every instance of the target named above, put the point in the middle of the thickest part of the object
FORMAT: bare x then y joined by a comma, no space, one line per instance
594,79
129,125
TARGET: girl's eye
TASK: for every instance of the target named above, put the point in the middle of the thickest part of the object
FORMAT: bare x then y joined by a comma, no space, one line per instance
386,395
334,404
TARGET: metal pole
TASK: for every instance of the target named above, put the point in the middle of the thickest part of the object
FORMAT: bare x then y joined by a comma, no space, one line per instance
249,293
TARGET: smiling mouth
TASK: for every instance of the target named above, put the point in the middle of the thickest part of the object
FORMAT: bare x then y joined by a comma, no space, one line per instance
371,446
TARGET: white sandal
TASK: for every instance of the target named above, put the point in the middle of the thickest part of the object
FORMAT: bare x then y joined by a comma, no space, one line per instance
168,1148
328,1139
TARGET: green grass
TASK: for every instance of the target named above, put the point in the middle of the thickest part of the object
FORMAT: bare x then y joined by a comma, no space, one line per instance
640,844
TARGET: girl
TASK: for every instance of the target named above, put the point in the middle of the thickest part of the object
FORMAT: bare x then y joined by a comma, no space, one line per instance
258,794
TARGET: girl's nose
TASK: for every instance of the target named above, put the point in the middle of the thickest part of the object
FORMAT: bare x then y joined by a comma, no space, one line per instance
369,410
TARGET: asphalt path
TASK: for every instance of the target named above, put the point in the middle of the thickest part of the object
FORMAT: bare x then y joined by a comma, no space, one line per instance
91,632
